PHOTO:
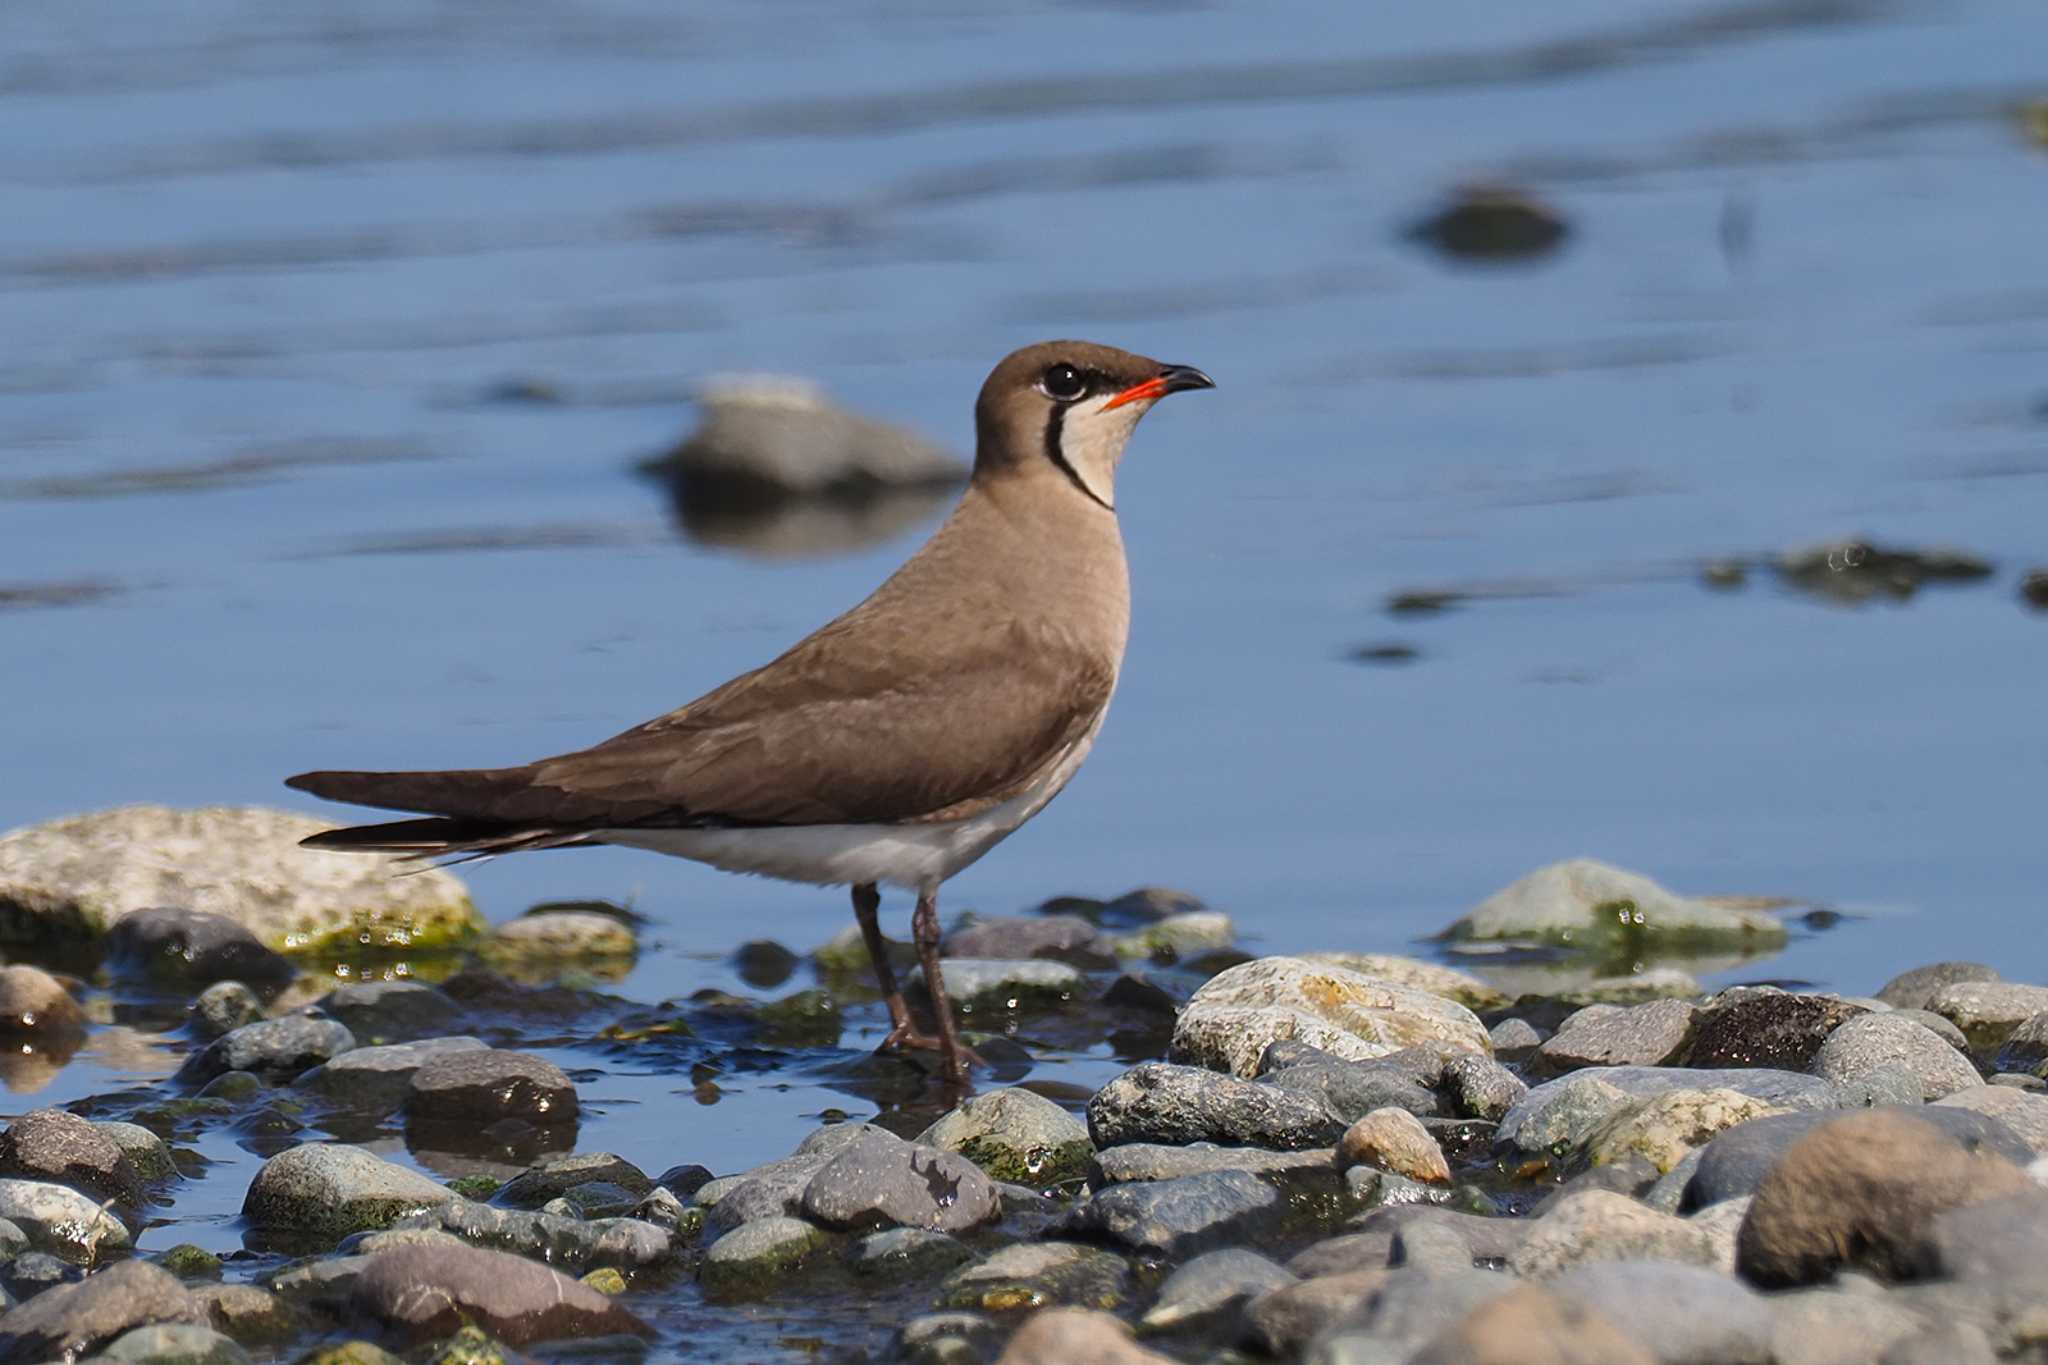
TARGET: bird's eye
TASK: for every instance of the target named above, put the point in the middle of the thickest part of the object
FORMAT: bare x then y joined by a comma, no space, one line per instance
1062,383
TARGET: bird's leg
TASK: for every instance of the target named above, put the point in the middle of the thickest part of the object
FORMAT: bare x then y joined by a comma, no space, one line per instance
867,904
924,929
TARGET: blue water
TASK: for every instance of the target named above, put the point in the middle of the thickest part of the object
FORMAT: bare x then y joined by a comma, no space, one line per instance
263,267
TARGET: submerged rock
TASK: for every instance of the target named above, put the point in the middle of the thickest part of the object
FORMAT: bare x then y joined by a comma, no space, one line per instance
1492,222
224,1007
1237,1014
1591,905
905,1253
1063,938
71,879
997,986
1855,570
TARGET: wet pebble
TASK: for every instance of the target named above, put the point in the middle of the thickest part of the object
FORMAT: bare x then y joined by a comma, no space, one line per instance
193,948
75,1320
276,1048
1015,1136
1178,936
764,964
477,1087
321,1192
1868,1042
421,1293
50,1144
34,1004
1162,1161
1605,1035
1177,1218
558,1173
878,1180
1354,1089
1038,1275
2025,1049
224,1007
1162,1102
567,1239
248,1313
1394,1140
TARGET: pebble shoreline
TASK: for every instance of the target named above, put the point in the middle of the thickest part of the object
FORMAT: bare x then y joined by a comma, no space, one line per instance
1333,1158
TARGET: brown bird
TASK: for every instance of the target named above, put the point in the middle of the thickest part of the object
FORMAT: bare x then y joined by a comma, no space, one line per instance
896,744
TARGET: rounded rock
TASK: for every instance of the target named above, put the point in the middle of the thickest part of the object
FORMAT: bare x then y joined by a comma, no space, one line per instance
1585,903
558,934
1161,1102
1666,1127
391,1011
174,1344
1911,990
421,1293
1866,1043
276,1048
1600,1225
493,1084
50,1144
62,1221
1211,1287
72,1321
752,1258
1394,1140
1529,1325
879,1180
34,1004
224,1007
193,947
325,1191
1015,1136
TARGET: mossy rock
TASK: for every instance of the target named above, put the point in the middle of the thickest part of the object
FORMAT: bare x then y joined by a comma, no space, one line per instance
1593,907
804,1019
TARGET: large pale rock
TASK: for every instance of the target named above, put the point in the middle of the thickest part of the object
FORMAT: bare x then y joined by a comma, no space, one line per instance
72,879
1586,903
1413,972
1665,1127
1237,1014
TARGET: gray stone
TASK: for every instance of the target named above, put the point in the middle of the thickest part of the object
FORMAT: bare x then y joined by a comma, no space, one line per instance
1988,1012
1587,903
996,987
776,1188
1432,1246
61,1221
50,1144
423,1293
878,1180
1015,1136
192,948
1354,1089
1868,1042
1039,1275
1881,1085
145,1151
1410,1306
1482,1088
1944,1343
276,1048
2025,1114
572,1242
553,936
1838,1327
224,1007
1943,1029
1565,1111
480,1087
1208,1289
2001,1242
557,1173
321,1192
1751,1026
1722,1223
72,879
1912,990
752,1258
378,1077
1663,1129
1231,1020
2026,1047
1735,1162
391,1011
1064,938
1514,1036
1161,1102
319,1284
1684,1315
174,1344
1599,1225
75,1320
1282,1321
1178,936
1159,1161
247,1313
13,1242
1644,1035
905,1253
1177,1218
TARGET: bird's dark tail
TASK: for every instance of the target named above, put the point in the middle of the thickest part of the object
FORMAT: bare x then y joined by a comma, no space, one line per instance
461,830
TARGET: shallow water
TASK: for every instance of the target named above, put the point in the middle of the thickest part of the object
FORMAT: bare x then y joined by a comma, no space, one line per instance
267,503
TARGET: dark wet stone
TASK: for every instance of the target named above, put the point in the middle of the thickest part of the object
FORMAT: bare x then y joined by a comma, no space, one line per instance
193,948
1481,1088
1141,994
905,1254
1064,938
13,1242
1861,1190
392,1011
2026,1047
685,1180
377,1078
75,1320
1736,1161
1039,1274
754,1258
1855,570
1864,1045
807,1018
1678,1312
1758,1026
1162,1102
2034,589
1492,222
1642,1035
764,964
556,1174
34,1004
1206,1292
321,1192
421,1293
224,1007
1015,1135
1177,1218
50,1144
1161,1161
878,1180
190,1262
572,1242
1352,1090
276,1048
248,1313
1631,1175
1911,990
174,1344
494,1084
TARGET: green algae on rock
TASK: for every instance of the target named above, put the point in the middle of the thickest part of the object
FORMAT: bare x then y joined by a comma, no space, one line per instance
70,880
1587,904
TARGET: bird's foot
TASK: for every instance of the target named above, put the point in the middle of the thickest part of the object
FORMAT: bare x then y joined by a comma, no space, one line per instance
907,1036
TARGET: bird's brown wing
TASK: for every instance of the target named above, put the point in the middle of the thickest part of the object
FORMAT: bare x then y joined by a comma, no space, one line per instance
833,732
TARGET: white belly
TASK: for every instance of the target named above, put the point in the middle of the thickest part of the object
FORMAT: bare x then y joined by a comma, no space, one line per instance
917,857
